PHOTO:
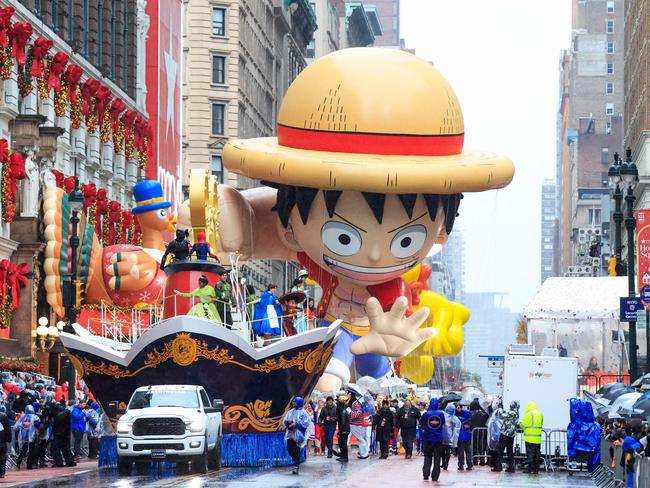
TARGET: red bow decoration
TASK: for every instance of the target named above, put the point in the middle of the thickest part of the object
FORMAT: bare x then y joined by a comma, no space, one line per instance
420,284
89,191
15,173
16,280
72,76
104,97
127,220
100,209
116,109
114,214
57,66
88,91
128,119
58,176
5,24
40,49
20,33
68,184
4,151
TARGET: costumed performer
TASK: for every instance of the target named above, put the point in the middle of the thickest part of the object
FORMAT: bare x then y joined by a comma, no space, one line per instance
179,248
201,248
363,179
205,308
296,422
267,312
223,290
290,309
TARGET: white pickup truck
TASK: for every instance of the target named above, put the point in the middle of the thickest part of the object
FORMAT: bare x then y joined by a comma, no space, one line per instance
173,423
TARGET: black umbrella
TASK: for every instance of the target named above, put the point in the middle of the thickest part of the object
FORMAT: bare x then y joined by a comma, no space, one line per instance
642,404
614,390
451,398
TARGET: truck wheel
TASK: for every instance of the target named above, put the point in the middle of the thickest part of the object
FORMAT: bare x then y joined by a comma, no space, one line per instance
142,467
124,467
200,462
215,456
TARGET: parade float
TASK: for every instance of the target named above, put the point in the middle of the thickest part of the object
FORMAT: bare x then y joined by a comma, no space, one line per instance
361,182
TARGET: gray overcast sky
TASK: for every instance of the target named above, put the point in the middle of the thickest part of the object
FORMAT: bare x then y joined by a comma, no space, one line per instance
501,57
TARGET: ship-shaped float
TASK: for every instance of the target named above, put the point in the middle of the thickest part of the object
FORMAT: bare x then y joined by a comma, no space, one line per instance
256,380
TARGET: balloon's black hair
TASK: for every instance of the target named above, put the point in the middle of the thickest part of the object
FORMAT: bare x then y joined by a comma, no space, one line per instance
303,198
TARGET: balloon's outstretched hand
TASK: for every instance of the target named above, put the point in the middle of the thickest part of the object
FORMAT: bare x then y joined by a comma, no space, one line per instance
392,333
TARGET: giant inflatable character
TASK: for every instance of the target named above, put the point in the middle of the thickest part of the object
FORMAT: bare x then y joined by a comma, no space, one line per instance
365,176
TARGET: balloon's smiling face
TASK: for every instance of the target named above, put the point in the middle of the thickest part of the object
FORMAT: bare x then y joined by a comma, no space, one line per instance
354,245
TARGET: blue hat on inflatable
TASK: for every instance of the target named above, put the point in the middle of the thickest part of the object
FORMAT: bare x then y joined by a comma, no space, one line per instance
148,196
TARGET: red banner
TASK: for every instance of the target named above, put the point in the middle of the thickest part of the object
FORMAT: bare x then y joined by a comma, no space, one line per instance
643,247
164,65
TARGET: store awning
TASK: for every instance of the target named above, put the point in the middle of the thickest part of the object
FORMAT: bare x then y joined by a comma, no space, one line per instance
578,299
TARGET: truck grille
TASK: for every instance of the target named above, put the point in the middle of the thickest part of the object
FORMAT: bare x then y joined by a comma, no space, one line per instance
148,447
159,426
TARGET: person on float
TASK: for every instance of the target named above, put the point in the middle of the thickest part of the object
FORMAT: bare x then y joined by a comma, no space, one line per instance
202,248
223,289
205,308
296,422
179,249
266,321
360,197
433,424
290,309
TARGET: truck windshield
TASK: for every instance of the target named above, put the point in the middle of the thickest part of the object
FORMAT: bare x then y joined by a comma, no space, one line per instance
164,398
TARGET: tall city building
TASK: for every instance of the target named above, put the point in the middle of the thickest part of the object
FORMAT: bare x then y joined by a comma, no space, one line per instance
389,18
589,132
637,99
448,268
549,219
240,56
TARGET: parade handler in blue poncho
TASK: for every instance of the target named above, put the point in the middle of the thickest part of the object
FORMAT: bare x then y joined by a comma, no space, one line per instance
296,422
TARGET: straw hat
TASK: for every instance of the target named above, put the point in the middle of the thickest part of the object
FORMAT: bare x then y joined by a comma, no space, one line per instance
370,119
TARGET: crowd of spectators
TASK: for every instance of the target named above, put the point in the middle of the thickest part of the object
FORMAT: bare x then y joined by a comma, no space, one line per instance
44,424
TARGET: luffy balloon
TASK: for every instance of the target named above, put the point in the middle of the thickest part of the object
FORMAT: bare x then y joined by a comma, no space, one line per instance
365,176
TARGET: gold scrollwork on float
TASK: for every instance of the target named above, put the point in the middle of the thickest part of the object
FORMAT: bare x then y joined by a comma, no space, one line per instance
254,415
184,350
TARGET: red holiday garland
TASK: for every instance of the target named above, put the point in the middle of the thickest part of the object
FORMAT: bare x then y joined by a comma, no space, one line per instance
13,170
19,34
40,48
5,24
57,67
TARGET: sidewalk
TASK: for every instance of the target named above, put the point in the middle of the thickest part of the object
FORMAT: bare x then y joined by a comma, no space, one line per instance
14,477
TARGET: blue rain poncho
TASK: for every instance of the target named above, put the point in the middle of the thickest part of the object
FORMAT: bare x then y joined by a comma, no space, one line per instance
583,433
494,428
26,430
301,420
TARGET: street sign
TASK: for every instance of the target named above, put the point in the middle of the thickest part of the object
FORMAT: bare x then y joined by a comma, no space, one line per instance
495,362
645,295
629,308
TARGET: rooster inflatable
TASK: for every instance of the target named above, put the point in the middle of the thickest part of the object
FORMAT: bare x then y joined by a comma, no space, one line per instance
122,274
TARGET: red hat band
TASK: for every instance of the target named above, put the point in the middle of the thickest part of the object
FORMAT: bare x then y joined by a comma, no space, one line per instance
371,143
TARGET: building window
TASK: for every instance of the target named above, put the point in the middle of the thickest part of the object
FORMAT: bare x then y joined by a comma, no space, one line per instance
609,109
218,116
610,26
604,155
548,246
609,89
218,21
610,47
610,68
608,127
217,167
218,69
594,217
547,239
610,7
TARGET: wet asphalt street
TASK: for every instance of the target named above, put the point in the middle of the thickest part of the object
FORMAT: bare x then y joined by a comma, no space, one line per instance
321,472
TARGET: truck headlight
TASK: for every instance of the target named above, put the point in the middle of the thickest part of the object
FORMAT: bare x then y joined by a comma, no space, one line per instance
124,427
195,426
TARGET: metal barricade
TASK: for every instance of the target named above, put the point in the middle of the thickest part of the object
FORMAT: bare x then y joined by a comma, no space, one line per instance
641,471
479,444
555,450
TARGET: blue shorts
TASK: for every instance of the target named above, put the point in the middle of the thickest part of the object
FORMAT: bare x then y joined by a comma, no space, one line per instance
365,364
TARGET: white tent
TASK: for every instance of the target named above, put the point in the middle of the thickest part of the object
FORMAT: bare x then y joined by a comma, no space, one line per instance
578,299
581,314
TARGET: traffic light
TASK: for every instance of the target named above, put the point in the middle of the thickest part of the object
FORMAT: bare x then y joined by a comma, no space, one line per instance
611,266
79,293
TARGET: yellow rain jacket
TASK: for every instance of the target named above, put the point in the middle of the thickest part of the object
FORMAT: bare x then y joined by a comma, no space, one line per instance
532,424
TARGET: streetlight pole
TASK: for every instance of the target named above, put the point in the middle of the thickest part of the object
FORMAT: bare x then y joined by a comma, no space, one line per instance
76,200
618,213
629,178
